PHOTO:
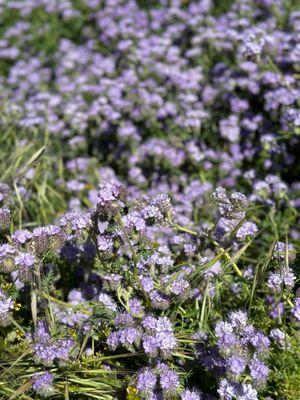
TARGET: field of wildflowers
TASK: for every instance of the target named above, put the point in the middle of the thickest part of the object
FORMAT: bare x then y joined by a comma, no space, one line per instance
149,199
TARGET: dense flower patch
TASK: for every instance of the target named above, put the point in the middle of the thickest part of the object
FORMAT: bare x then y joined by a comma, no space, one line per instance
149,199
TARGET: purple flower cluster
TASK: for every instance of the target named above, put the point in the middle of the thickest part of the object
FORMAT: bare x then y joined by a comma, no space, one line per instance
154,335
171,132
46,350
241,350
43,384
151,381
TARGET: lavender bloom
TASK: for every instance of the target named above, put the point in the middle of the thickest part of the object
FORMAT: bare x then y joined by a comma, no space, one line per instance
260,342
169,381
279,337
296,309
135,220
166,342
146,381
113,340
110,198
149,323
229,128
129,336
105,245
163,324
179,287
25,263
107,301
236,364
225,335
21,237
124,319
258,371
226,390
231,206
277,310
46,237
7,253
238,320
152,215
247,392
253,45
280,250
147,283
135,307
159,300
43,384
277,280
113,280
6,306
289,278
247,229
150,345
163,203
190,395
75,221
46,350
64,348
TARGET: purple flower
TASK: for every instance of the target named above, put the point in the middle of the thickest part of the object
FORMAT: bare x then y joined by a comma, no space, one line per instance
25,263
227,390
275,282
152,215
163,203
135,307
146,381
296,309
247,392
169,381
247,229
6,306
190,395
124,319
260,342
107,301
113,340
46,350
166,342
147,283
134,220
129,336
159,300
238,319
105,244
258,371
225,335
236,364
179,286
150,345
21,237
229,128
277,310
149,323
75,221
279,336
42,384
163,324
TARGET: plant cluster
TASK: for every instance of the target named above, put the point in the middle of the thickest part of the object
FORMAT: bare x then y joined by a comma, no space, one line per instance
149,199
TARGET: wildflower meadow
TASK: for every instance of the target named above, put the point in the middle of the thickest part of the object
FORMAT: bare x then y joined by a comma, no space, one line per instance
149,199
